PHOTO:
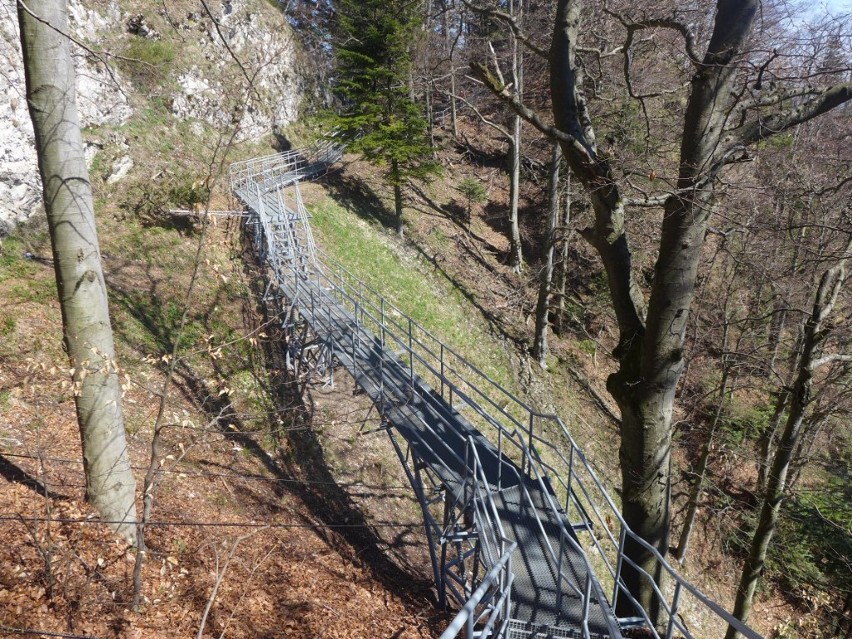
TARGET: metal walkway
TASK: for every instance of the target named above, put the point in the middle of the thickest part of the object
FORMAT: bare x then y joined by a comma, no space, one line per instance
516,520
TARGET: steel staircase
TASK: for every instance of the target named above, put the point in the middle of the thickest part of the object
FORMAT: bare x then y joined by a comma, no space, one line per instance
523,536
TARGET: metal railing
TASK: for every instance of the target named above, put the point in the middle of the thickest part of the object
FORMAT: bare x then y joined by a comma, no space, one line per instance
280,169
542,445
539,443
499,581
488,608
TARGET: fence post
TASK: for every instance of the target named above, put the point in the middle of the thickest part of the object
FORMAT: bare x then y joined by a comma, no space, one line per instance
559,569
587,595
673,611
500,459
570,483
615,588
382,356
361,298
355,339
442,370
530,440
410,358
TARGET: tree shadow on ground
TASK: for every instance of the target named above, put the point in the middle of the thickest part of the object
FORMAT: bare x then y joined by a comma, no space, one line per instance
484,158
301,457
358,197
531,222
299,466
457,214
15,474
498,323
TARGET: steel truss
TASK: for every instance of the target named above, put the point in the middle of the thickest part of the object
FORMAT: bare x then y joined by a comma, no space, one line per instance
466,488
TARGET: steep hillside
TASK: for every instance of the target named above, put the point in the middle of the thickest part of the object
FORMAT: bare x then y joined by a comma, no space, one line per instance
260,526
274,516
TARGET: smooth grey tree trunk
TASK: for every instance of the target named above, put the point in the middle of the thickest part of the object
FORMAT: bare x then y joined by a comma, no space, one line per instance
515,251
450,49
766,443
562,307
650,350
49,71
542,309
816,331
516,258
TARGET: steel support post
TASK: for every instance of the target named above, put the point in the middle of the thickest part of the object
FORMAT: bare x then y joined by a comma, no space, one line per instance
417,485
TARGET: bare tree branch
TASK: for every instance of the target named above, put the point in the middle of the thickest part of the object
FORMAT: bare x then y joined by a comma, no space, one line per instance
830,359
659,23
501,129
236,59
510,22
481,73
768,126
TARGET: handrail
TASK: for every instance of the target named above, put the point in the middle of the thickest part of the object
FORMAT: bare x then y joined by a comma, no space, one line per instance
334,276
465,617
561,465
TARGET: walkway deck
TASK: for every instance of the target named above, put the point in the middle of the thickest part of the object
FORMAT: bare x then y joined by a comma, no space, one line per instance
439,435
500,511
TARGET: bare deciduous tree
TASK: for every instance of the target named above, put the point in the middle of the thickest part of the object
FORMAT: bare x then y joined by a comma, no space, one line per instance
50,76
724,117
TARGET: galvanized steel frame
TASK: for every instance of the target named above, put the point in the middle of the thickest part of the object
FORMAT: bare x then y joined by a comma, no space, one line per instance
539,442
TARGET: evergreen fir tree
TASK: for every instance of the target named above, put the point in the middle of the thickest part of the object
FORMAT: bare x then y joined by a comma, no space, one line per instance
379,118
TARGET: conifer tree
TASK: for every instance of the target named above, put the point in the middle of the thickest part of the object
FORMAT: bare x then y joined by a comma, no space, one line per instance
379,118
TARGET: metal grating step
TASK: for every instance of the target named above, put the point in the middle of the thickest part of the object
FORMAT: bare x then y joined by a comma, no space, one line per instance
517,629
540,597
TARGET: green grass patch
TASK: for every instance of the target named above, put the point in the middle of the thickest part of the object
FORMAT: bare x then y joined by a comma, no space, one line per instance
37,290
407,282
7,325
13,264
149,62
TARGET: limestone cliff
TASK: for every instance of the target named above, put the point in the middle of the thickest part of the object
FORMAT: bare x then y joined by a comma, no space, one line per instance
240,69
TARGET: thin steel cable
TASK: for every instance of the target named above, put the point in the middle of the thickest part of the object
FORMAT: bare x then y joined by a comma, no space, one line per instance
204,524
47,633
249,477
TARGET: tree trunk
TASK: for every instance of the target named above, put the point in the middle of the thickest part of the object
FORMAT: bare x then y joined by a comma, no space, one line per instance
453,107
542,308
515,252
800,397
450,46
561,310
49,71
397,197
430,117
651,341
516,258
701,471
766,441
650,354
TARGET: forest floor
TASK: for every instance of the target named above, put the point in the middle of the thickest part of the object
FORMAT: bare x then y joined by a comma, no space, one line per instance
307,533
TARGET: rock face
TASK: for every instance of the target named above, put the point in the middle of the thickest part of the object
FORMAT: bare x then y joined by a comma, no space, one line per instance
210,84
266,48
98,100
